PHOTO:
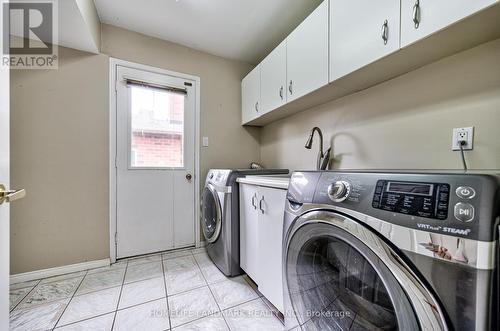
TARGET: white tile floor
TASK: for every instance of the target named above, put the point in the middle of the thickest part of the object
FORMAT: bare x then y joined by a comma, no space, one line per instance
180,290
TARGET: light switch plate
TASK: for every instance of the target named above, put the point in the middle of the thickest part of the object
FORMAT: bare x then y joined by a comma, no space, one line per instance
205,141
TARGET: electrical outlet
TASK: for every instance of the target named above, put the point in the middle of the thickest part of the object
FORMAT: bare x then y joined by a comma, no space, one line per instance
465,134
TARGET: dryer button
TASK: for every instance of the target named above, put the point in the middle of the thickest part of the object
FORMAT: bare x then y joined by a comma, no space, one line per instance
465,192
464,212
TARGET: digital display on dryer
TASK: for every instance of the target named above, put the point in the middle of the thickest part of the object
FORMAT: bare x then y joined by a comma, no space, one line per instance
411,188
429,200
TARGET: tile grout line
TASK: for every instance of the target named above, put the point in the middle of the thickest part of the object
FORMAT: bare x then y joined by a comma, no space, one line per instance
84,274
138,304
213,296
24,297
83,320
71,299
242,303
196,288
119,297
166,292
195,320
112,312
132,306
110,287
185,291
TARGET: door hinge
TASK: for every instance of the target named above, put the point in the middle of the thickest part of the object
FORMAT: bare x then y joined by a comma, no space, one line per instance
116,162
116,238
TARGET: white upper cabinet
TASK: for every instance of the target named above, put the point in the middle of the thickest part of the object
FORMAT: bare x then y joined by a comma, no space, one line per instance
421,18
361,32
250,96
351,44
273,79
307,54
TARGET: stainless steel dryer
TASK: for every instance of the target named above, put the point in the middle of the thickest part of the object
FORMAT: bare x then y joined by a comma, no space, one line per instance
220,216
391,251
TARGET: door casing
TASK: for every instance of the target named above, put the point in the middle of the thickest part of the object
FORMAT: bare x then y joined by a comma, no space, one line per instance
113,63
5,180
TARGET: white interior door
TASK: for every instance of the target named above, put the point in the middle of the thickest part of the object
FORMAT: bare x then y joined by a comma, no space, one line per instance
155,162
4,179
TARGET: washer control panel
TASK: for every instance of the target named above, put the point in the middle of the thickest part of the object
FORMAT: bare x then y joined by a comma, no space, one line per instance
457,204
218,177
429,200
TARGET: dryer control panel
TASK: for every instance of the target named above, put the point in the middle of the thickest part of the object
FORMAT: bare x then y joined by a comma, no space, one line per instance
459,204
428,200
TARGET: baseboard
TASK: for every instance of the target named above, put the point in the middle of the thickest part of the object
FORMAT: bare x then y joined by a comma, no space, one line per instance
57,271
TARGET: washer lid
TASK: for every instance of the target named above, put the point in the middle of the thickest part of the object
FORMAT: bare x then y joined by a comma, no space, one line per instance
339,273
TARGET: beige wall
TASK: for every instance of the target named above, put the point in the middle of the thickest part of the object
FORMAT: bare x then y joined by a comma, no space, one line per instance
59,148
60,143
403,123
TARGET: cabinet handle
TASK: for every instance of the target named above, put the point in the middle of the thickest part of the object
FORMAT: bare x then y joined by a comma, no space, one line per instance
260,205
290,87
416,14
385,32
254,205
257,106
281,92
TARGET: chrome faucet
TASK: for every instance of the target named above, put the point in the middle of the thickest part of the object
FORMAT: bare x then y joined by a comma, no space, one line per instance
323,158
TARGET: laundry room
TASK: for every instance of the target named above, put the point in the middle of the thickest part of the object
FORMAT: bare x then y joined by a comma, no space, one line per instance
249,165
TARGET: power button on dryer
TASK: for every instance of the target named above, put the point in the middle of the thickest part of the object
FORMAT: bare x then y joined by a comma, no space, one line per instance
465,192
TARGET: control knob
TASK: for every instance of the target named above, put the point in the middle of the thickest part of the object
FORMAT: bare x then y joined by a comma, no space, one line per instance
339,191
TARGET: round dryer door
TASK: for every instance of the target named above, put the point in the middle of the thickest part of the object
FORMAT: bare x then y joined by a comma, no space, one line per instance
211,214
342,276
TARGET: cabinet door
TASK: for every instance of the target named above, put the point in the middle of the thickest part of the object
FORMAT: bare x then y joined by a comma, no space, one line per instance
361,32
307,54
421,18
271,208
250,96
273,79
249,227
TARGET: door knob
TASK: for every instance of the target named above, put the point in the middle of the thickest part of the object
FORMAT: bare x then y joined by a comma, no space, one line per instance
189,177
12,195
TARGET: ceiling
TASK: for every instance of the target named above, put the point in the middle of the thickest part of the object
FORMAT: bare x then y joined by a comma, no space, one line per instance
244,30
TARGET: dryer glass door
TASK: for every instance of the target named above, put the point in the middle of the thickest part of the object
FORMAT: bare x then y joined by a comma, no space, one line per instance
211,213
336,282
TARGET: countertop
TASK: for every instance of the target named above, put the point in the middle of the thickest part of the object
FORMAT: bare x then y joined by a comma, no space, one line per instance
274,181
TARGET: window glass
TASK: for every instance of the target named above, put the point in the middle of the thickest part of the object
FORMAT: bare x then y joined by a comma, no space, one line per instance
157,128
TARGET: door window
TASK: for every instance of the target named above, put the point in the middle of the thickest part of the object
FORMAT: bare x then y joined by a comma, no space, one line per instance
211,217
156,128
333,284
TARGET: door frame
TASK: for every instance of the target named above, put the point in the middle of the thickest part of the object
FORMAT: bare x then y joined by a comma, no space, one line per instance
113,63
